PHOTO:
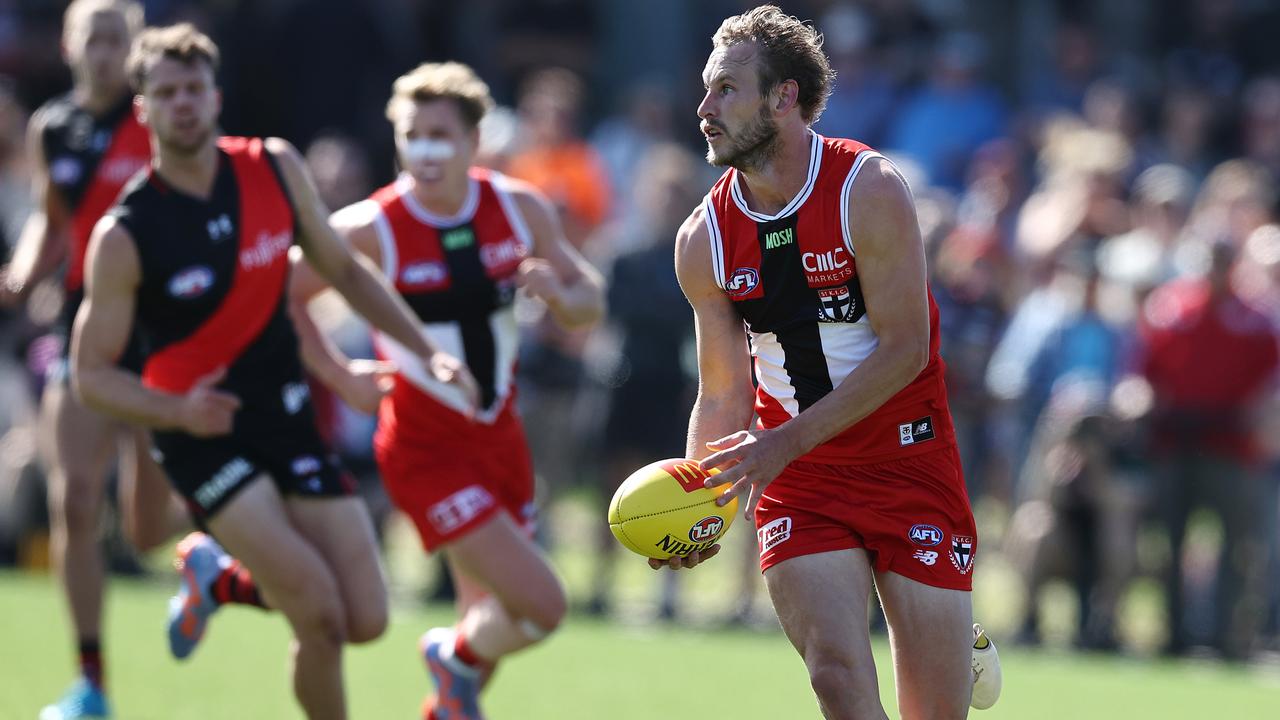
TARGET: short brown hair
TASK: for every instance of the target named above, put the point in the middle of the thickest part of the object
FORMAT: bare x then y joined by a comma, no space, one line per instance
181,42
81,10
789,50
443,81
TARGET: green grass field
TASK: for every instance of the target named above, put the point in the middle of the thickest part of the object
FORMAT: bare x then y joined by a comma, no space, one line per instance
589,670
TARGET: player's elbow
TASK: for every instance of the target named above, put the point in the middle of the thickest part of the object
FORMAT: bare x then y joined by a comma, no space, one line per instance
911,353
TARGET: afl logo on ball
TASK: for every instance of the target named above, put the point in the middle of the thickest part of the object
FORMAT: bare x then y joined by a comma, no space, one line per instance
706,529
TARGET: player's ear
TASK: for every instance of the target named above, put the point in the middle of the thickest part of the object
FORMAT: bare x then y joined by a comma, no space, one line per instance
787,95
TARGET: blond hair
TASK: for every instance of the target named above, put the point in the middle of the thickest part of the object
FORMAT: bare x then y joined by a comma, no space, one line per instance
181,42
79,12
789,50
442,81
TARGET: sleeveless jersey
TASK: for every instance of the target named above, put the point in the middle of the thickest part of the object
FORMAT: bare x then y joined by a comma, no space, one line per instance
90,159
214,275
793,278
458,274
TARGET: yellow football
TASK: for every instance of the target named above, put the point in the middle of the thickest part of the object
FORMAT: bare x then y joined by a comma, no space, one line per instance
663,510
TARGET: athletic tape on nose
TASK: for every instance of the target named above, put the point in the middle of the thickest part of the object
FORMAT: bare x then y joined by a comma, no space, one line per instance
426,150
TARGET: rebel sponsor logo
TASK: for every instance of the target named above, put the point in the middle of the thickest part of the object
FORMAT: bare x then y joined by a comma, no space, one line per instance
707,529
926,535
916,431
268,248
774,533
425,273
459,508
678,547
962,553
495,255
826,268
742,281
191,282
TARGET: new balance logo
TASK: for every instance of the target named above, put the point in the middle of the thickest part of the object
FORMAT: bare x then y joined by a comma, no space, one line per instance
928,557
778,238
916,431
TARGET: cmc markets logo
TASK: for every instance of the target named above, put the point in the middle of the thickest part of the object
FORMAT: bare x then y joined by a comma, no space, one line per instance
706,529
742,281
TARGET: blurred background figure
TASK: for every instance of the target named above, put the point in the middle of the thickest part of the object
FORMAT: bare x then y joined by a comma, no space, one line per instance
1203,438
650,328
554,156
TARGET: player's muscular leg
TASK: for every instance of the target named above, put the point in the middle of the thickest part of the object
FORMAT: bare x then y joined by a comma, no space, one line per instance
930,631
526,600
821,601
340,529
255,527
150,513
77,445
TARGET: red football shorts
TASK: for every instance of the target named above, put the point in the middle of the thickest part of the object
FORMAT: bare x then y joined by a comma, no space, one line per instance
448,474
912,516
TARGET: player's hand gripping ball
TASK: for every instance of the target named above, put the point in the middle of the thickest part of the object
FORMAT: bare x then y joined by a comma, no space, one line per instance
663,510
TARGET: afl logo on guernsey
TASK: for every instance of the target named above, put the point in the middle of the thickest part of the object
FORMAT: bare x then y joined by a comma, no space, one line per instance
423,274
191,283
926,535
742,281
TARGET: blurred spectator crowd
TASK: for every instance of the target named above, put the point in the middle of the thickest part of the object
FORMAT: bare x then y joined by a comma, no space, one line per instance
1098,186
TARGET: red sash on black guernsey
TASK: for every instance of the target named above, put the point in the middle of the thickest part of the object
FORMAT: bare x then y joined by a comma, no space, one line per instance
128,153
266,232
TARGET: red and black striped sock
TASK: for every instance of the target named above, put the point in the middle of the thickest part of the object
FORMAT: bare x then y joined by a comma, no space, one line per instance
91,661
235,585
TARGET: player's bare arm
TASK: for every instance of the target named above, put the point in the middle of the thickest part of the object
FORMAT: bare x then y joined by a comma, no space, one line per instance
723,404
45,237
101,332
891,266
360,383
557,273
355,277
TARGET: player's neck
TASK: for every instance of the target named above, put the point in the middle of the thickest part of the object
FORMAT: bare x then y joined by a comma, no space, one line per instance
770,188
443,200
193,174
97,100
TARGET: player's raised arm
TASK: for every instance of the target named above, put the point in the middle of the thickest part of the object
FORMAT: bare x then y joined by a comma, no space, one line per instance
556,272
101,332
45,237
354,276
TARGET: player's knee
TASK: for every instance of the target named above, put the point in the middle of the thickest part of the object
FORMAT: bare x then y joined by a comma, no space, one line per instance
321,622
75,509
548,609
367,622
831,672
